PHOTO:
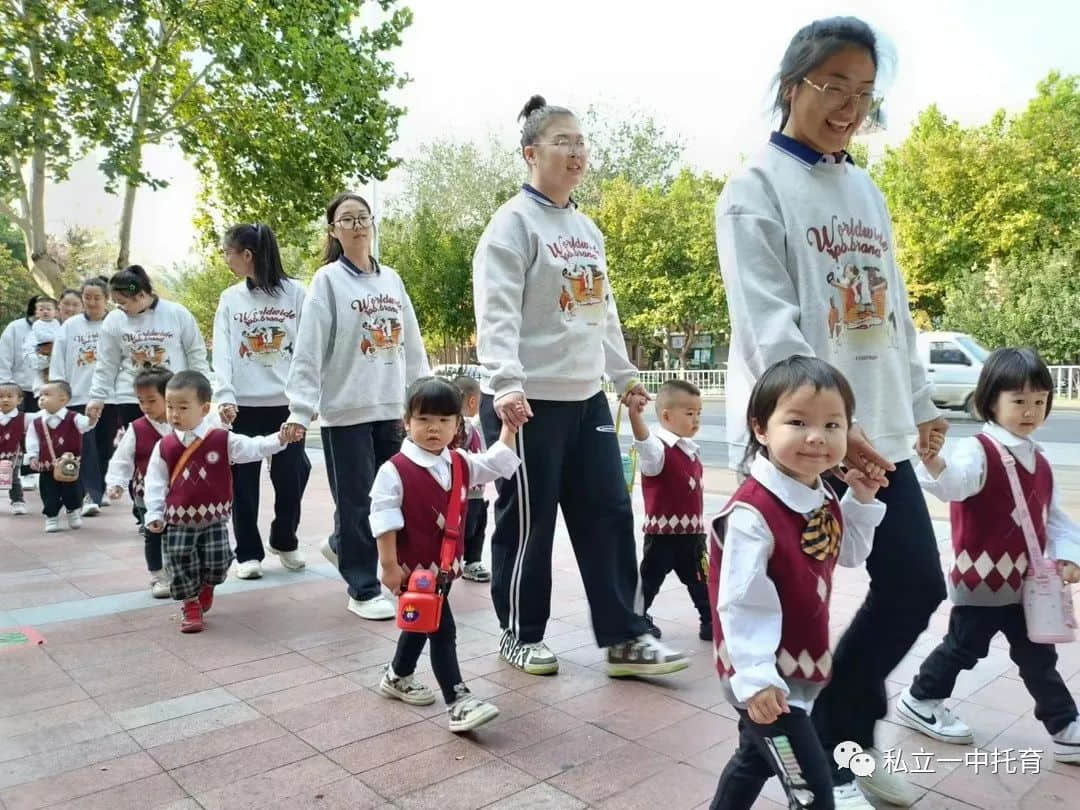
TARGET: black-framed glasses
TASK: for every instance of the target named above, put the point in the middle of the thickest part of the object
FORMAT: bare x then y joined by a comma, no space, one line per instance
351,223
836,98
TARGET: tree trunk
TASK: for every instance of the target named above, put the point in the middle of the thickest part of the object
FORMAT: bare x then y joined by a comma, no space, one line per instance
688,339
126,218
46,273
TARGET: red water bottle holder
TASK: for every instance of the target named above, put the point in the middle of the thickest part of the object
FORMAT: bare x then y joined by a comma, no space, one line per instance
420,606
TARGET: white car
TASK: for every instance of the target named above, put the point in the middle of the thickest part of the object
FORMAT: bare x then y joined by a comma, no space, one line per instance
954,361
451,371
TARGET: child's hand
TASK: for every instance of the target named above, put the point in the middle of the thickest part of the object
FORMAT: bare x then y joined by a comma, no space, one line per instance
116,493
156,526
227,413
34,465
394,577
292,432
767,705
1070,573
864,488
935,441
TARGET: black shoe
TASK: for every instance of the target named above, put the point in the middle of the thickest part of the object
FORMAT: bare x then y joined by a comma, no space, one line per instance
705,631
654,631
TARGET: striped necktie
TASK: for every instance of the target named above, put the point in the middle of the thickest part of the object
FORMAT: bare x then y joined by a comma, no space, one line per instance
821,537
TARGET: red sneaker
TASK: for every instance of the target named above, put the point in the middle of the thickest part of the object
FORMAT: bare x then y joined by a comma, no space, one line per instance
206,597
191,618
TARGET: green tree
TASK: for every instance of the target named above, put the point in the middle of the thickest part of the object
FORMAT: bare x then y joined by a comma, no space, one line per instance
661,252
16,287
277,104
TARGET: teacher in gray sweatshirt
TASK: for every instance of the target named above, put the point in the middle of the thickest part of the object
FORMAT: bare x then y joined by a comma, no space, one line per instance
547,331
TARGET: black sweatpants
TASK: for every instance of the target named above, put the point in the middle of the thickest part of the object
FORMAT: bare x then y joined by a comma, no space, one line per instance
97,450
475,528
570,459
16,491
444,660
54,494
789,749
354,454
289,471
29,405
968,641
151,540
687,556
122,416
906,586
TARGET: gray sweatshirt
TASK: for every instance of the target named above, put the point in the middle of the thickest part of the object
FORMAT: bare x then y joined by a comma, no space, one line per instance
546,320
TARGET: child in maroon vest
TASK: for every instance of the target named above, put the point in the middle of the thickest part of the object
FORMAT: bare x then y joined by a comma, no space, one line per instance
189,493
13,424
409,505
670,465
127,467
1014,394
772,554
55,432
476,520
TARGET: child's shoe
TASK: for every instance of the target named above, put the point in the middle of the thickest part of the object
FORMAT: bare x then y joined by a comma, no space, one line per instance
18,508
1067,743
249,569
74,519
159,585
293,560
476,572
52,524
705,630
469,712
206,597
654,631
406,689
90,509
191,620
934,719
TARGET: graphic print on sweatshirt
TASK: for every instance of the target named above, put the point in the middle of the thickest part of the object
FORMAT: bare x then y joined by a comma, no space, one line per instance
859,306
380,327
86,349
145,349
263,334
582,295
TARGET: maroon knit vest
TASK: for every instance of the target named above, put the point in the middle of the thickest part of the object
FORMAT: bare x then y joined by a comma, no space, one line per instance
424,506
803,584
11,436
991,554
146,436
202,493
674,501
65,439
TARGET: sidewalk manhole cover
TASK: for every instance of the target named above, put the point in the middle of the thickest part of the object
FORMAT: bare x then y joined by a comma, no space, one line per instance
14,637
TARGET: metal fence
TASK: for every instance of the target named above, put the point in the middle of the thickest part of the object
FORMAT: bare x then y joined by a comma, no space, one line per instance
712,381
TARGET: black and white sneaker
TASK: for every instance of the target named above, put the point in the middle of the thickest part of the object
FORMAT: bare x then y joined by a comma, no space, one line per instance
933,718
654,631
406,689
535,659
1067,744
643,656
469,712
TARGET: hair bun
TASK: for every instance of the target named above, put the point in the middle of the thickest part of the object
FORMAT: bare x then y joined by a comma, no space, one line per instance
534,103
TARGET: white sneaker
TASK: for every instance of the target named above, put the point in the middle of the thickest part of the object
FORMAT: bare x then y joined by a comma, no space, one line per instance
643,656
888,786
476,572
18,508
535,658
293,560
468,712
90,509
328,552
249,569
932,718
104,503
159,585
29,482
378,609
1067,743
406,689
849,797
52,524
74,519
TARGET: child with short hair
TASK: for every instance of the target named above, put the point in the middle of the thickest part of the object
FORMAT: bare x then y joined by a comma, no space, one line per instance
128,465
670,464
13,425
39,341
409,505
773,550
476,519
55,432
188,493
1014,395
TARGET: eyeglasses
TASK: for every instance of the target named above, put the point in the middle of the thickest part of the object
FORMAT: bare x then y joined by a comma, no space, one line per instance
351,223
836,98
580,146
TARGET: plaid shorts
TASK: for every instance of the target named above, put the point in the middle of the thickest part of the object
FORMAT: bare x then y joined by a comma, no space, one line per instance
196,556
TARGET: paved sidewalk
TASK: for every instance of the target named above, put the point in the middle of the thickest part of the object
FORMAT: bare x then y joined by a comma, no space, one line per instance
274,705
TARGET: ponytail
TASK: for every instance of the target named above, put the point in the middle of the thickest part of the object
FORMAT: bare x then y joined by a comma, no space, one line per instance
260,240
